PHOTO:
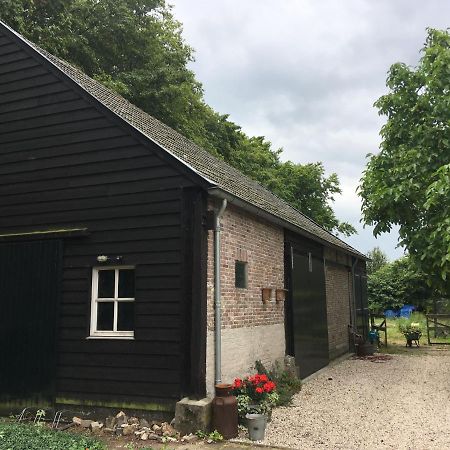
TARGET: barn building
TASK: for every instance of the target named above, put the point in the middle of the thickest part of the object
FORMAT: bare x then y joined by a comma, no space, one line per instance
123,245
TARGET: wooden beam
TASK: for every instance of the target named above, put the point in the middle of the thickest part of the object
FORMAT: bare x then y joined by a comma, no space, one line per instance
45,234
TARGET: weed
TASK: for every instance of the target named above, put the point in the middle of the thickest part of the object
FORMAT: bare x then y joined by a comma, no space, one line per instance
15,436
214,436
40,415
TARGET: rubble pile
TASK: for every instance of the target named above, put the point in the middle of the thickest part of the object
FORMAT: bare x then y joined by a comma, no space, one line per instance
121,425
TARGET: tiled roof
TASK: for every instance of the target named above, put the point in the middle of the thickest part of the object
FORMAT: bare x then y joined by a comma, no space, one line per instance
214,170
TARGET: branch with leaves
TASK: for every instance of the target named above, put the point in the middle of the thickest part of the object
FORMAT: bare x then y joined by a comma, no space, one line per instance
407,182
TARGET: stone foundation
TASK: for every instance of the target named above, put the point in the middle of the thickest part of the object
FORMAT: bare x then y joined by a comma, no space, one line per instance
193,415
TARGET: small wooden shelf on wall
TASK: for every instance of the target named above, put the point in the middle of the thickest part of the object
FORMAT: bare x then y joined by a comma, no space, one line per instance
266,294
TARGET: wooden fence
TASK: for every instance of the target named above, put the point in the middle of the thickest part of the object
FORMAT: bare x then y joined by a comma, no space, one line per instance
438,329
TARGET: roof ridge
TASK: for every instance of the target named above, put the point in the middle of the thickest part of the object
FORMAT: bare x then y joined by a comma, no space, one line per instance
50,56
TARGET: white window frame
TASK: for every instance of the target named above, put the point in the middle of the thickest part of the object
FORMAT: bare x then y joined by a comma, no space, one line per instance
114,333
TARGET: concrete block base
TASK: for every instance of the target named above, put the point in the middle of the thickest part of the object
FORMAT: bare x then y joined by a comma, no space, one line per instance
193,415
241,347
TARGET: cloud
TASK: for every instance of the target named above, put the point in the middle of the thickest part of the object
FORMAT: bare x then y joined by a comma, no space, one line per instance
305,75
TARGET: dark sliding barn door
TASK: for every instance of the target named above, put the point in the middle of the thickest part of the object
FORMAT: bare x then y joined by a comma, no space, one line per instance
29,289
309,313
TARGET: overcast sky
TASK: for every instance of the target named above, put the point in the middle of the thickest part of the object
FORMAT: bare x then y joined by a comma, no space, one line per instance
305,74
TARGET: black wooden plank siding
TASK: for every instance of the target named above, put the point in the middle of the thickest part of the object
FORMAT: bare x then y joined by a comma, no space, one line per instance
64,164
29,294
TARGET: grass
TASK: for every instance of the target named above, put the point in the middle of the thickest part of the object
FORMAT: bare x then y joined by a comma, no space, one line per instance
396,337
14,436
396,340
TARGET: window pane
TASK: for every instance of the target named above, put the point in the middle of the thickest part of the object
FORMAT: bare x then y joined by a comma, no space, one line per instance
106,283
105,316
240,274
125,319
126,283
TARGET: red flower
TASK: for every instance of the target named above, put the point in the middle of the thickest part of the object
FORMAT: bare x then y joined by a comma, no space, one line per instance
256,386
237,383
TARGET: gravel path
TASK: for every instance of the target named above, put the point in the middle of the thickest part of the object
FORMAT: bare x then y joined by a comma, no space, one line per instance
403,403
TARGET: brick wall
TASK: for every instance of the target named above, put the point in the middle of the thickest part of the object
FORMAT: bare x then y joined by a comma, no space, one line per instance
251,330
253,240
338,292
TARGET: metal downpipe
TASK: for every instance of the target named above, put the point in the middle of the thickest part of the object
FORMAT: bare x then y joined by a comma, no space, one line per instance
217,297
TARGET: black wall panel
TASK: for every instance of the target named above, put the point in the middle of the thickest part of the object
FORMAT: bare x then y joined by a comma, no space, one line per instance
64,164
306,307
309,314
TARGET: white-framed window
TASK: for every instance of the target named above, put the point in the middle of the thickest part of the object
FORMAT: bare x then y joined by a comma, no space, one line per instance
112,304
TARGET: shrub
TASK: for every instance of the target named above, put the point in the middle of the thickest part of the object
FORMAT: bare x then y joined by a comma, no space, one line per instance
287,383
288,386
14,436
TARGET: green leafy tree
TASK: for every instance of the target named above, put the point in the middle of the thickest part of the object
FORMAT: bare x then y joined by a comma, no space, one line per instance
378,259
133,46
136,48
397,283
407,183
308,189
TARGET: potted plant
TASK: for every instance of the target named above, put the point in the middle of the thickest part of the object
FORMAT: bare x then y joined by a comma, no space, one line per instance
411,330
256,396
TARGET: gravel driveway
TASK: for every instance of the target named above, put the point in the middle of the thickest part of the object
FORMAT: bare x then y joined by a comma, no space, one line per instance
403,403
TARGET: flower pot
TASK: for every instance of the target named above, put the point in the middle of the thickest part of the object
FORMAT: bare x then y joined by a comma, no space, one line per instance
254,408
256,424
266,294
280,295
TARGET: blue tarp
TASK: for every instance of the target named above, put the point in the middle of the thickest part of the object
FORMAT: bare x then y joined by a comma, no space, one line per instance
411,307
406,311
390,314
